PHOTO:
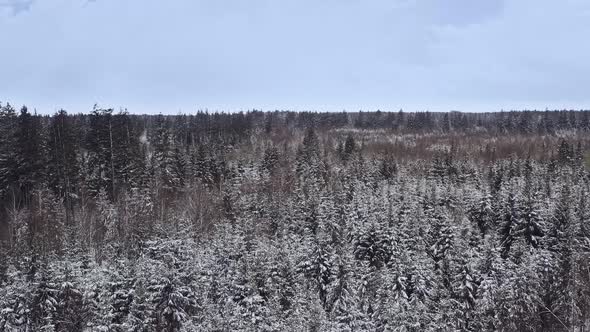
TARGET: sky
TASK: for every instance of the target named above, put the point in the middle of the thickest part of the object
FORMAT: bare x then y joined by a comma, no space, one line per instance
178,56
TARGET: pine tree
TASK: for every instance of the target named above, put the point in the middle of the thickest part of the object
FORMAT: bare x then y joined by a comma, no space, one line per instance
120,300
169,162
105,228
530,224
348,148
581,275
8,153
510,218
309,164
466,289
62,164
343,303
48,223
557,276
388,168
70,315
138,217
138,319
30,153
317,267
283,282
128,158
45,304
270,160
565,152
100,145
250,296
199,164
482,215
374,247
169,308
15,302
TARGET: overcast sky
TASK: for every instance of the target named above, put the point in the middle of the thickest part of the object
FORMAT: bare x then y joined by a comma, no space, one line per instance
175,56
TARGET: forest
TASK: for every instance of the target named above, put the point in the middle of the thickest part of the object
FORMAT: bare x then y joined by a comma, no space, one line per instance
294,221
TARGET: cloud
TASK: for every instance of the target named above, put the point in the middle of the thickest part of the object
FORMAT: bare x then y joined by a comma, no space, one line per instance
20,6
16,6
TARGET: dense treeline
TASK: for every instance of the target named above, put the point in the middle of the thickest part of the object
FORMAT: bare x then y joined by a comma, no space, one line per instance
294,221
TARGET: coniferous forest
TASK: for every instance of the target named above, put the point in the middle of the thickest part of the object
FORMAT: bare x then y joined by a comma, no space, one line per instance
294,221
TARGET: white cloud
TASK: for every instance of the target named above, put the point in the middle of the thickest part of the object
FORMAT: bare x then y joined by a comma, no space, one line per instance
16,6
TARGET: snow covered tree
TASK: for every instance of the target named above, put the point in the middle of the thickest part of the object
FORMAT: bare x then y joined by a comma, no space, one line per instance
70,314
247,221
374,247
482,215
105,228
510,218
317,267
16,302
270,160
169,308
45,303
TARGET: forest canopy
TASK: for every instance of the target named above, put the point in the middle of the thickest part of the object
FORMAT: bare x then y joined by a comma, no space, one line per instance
294,221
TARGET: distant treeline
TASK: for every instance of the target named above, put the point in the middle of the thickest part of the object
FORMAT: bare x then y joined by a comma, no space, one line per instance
115,150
